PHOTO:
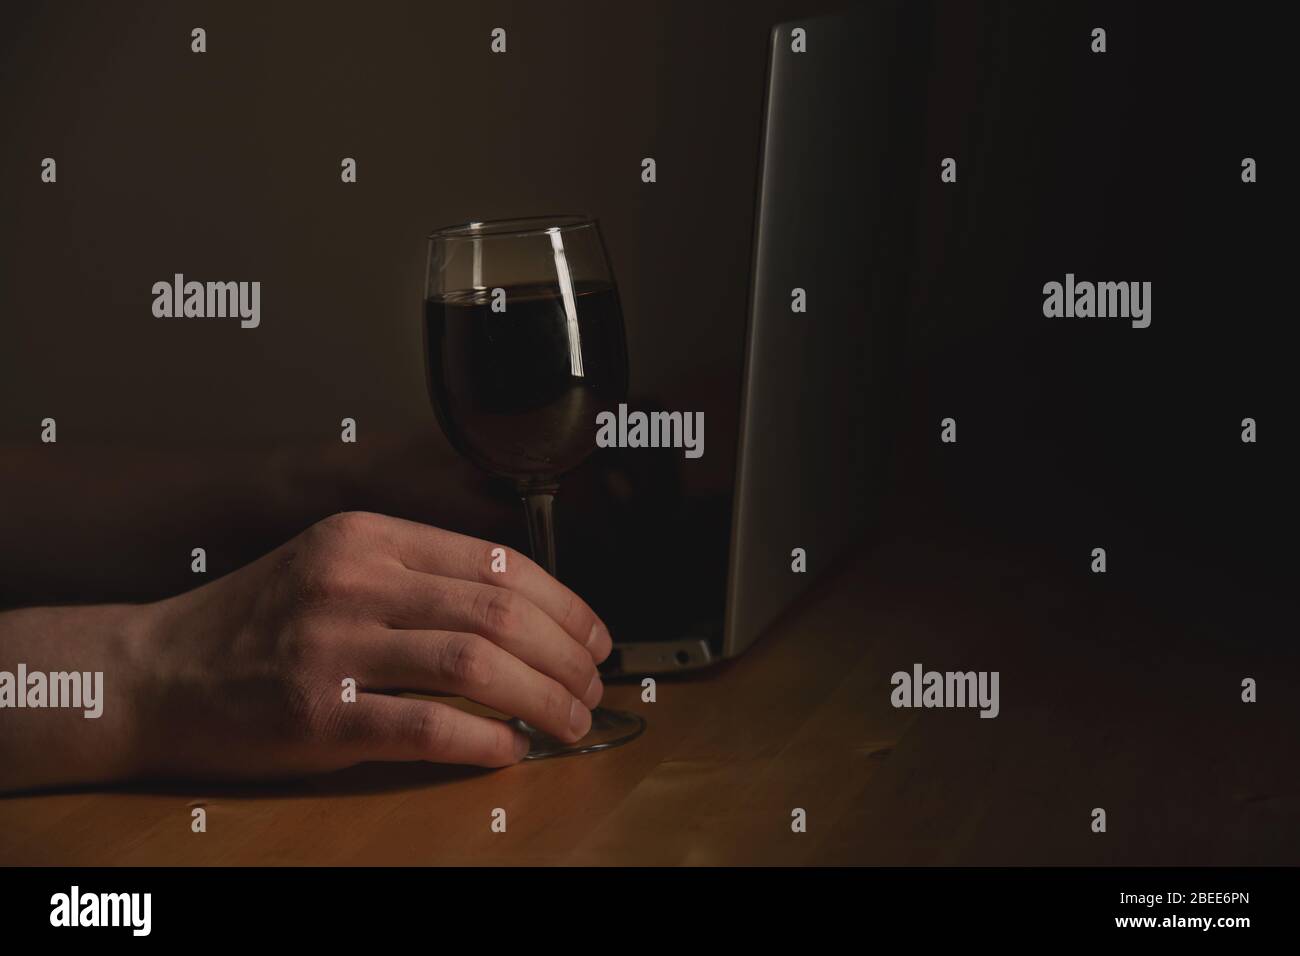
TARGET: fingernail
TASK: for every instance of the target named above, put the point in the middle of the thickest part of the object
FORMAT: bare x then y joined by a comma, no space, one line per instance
522,745
595,688
579,719
597,630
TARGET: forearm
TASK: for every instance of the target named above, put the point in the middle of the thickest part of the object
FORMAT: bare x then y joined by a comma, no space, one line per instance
74,720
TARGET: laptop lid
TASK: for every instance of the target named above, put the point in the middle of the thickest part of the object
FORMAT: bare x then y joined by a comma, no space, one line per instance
827,297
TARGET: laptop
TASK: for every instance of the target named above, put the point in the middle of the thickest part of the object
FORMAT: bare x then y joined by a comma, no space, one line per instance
808,460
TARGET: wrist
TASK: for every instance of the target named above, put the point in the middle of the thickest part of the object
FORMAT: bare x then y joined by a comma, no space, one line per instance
80,670
134,656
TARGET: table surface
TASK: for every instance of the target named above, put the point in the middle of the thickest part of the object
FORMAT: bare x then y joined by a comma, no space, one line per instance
1095,712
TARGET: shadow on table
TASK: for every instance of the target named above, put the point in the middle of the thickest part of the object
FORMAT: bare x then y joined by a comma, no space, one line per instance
363,779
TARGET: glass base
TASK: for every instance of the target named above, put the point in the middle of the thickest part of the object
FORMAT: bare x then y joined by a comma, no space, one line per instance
609,728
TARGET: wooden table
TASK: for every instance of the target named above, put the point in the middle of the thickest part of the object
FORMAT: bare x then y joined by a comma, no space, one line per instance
1104,703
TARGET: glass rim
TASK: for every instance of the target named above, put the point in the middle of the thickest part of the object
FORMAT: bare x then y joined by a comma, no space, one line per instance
512,228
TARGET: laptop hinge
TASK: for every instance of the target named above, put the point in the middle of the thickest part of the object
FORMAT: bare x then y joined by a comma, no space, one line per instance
657,657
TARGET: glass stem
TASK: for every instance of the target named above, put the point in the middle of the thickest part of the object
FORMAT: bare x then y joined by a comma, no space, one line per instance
539,502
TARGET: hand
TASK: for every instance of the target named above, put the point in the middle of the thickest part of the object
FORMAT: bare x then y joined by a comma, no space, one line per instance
244,677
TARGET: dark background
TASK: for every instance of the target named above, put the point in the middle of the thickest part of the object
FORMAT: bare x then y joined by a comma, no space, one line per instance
226,164
1073,433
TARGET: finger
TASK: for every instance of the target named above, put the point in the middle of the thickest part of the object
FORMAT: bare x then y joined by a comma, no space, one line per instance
445,553
379,727
413,600
471,666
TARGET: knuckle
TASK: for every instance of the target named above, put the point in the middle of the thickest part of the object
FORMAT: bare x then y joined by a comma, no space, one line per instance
581,671
503,743
497,610
348,524
574,668
465,662
339,579
431,730
311,714
322,566
573,612
324,579
558,702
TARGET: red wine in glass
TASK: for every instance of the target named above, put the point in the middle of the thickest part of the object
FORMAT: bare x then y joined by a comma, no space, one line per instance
524,345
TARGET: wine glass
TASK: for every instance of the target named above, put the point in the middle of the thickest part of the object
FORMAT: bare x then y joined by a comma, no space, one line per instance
524,345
